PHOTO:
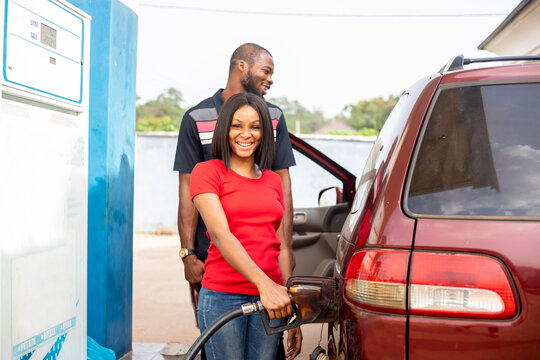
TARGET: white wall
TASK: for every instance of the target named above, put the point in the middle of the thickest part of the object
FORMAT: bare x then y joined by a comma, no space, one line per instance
521,36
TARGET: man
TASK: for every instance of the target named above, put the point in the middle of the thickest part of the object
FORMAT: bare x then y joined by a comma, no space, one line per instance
250,70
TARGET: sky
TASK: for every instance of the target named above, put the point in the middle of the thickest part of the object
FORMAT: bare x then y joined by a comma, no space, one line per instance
327,54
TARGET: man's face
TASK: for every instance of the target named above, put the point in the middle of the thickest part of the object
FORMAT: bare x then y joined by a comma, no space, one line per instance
258,78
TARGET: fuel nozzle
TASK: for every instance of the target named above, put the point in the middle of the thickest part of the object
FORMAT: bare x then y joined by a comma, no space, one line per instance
308,300
314,301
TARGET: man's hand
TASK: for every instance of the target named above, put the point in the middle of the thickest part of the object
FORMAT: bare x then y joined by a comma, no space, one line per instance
294,343
193,269
187,226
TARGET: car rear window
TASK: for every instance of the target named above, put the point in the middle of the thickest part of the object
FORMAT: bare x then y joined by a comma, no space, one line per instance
480,154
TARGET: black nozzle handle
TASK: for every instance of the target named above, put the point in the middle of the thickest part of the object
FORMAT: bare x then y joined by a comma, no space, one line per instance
294,320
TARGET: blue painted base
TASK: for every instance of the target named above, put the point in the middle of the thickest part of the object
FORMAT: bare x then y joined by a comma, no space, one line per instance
110,172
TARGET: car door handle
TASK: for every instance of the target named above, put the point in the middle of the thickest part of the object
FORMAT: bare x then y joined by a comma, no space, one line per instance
299,217
304,240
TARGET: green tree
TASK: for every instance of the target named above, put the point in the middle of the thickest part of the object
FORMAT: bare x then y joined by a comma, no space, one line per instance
295,112
162,114
369,114
162,123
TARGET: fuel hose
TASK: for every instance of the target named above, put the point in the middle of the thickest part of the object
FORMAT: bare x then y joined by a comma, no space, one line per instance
245,309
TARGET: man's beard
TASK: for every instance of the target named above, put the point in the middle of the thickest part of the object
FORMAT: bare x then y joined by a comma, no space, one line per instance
248,83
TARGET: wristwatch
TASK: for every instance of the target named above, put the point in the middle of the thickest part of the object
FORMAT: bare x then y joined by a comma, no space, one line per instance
185,252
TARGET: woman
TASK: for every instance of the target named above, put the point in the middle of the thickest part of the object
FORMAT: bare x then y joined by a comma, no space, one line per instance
241,203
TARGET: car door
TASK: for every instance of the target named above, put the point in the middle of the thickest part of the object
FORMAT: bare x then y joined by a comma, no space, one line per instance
316,227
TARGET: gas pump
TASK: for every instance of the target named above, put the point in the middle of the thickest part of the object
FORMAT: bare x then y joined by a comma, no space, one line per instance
43,179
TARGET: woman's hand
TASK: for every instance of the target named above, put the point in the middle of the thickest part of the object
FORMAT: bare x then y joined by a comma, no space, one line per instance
275,300
294,343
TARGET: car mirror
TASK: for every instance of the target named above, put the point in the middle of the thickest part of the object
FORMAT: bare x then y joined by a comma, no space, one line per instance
332,195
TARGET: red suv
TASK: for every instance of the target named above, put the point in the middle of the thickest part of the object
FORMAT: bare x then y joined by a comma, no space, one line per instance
439,254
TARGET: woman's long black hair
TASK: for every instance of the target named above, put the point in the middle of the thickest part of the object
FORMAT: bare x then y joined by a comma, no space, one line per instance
264,154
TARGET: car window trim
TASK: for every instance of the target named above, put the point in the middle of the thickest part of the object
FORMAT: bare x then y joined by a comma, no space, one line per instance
425,121
487,83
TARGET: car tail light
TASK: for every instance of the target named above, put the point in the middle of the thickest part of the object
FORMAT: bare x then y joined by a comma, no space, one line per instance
376,280
460,285
441,284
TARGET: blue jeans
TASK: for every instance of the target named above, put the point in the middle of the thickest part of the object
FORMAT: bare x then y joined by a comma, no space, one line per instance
243,338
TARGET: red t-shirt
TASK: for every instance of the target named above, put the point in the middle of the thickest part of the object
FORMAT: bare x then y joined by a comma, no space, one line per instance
254,209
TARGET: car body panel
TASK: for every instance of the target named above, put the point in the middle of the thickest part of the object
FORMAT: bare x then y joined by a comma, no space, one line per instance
504,240
381,185
382,223
382,336
464,340
392,172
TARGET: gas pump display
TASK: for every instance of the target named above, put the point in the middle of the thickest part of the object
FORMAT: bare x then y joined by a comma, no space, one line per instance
48,36
43,49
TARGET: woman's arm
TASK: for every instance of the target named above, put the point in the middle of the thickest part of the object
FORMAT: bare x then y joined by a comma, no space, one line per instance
273,297
285,255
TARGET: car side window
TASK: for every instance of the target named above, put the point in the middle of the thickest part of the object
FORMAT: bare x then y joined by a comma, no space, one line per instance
479,154
309,178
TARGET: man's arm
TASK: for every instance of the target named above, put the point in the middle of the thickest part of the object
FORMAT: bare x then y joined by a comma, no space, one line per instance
288,213
187,226
283,160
